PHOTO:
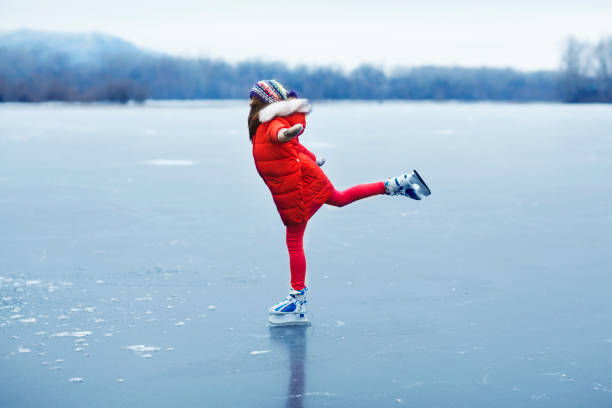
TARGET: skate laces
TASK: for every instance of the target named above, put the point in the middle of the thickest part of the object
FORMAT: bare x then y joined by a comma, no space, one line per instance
393,186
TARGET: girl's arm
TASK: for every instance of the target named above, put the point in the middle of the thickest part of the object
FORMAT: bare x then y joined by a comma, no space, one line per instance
280,131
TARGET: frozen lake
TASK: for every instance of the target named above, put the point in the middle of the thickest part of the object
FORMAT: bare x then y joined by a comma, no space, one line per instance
140,251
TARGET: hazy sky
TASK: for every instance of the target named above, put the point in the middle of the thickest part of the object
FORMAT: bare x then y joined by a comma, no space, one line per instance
520,33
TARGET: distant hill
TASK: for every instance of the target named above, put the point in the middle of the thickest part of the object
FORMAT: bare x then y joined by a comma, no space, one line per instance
39,66
87,48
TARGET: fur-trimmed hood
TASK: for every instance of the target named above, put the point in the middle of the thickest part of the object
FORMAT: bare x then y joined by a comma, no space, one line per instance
284,108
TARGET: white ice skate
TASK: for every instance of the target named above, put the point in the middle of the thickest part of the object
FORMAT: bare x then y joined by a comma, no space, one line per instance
291,310
411,185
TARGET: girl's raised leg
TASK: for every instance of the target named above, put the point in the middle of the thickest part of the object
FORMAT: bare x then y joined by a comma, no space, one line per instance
358,192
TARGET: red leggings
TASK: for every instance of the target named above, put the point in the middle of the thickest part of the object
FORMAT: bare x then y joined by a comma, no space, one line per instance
295,232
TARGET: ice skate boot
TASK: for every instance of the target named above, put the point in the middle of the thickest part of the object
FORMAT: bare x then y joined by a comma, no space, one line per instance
411,185
291,310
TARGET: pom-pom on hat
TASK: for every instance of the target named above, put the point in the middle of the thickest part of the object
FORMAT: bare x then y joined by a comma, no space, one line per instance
270,90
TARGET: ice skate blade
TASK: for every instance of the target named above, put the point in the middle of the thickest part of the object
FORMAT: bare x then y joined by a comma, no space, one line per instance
289,319
423,188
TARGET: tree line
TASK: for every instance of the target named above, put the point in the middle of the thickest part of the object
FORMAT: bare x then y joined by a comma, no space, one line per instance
585,76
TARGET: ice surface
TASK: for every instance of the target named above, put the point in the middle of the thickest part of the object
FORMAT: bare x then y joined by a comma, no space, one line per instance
493,291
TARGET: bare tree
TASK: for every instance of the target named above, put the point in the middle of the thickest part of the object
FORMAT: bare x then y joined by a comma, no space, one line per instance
571,69
603,56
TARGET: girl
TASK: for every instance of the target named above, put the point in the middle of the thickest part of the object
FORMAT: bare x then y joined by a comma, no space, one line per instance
298,186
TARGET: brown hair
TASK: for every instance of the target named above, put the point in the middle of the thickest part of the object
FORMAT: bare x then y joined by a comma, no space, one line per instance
253,119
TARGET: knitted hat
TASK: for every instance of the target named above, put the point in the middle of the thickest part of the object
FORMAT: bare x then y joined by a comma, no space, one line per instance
270,90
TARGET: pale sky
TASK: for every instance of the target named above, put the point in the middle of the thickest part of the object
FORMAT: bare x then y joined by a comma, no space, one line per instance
521,34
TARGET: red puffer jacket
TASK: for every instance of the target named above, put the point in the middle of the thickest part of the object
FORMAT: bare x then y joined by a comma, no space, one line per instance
298,186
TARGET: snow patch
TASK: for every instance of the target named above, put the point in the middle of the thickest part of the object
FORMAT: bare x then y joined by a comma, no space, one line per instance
142,299
71,334
446,132
258,352
170,162
141,348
